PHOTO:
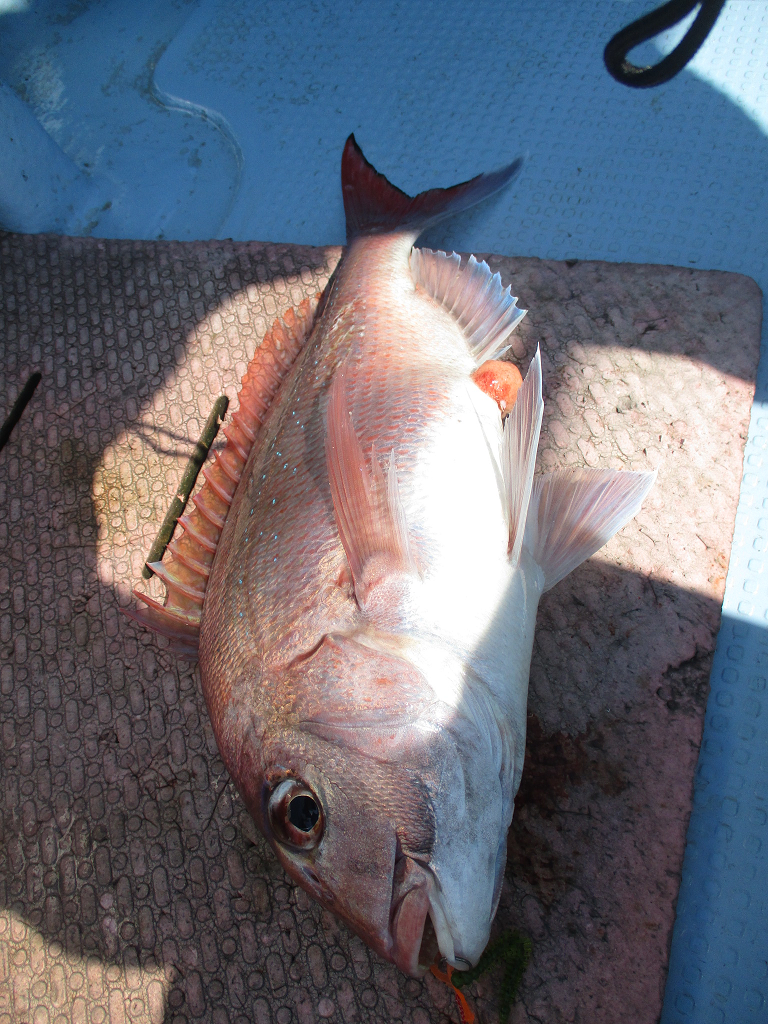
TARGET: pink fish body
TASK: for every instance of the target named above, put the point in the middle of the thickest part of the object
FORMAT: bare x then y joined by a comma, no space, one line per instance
367,626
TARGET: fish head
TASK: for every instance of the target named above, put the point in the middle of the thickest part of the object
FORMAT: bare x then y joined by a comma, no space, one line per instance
359,787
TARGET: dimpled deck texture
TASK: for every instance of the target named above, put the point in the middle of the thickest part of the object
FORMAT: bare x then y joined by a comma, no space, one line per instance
133,888
223,119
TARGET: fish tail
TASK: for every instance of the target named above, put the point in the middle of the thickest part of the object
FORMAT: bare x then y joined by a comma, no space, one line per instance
374,205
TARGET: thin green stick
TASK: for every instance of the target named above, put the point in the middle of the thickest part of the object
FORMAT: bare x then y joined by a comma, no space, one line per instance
19,406
195,464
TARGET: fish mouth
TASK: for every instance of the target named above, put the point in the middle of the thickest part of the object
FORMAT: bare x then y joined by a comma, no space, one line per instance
420,931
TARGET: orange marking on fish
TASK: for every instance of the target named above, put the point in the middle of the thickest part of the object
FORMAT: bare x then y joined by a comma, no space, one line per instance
501,381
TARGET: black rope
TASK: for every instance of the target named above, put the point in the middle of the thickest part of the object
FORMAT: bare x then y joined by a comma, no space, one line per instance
650,25
19,406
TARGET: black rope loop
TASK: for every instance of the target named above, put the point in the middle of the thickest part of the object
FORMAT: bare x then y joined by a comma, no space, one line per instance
650,25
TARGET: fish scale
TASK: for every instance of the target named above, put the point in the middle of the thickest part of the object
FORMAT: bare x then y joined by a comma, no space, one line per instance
367,624
185,568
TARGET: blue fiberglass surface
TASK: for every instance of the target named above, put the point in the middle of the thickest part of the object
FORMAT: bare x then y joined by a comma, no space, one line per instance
214,119
141,165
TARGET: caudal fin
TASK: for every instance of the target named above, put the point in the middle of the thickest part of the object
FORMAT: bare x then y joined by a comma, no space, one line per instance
374,205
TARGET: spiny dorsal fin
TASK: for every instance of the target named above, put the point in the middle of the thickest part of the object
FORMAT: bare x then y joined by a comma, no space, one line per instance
187,561
374,205
486,312
574,512
368,511
518,453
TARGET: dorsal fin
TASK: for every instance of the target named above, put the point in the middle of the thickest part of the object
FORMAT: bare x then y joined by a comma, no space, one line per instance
573,512
518,453
374,205
367,508
486,312
187,561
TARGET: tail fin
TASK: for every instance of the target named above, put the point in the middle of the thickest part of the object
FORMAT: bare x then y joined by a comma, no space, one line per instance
375,206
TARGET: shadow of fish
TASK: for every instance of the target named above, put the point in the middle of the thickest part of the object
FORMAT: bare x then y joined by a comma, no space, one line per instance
361,572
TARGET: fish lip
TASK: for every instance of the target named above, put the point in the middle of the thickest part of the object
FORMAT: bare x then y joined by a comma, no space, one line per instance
417,902
409,918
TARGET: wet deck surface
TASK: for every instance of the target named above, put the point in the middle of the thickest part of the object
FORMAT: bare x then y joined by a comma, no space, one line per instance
131,887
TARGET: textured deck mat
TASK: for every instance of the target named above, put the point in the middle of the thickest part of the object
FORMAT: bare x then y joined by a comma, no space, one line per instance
131,885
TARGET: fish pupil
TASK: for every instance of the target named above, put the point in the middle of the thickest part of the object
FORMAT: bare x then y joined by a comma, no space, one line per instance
303,813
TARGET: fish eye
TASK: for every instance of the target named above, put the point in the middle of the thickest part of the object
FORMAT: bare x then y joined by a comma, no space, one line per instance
303,813
296,814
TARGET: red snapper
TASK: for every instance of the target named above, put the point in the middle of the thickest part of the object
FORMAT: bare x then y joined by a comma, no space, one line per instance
361,573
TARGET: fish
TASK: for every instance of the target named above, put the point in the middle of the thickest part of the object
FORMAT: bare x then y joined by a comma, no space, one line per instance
360,574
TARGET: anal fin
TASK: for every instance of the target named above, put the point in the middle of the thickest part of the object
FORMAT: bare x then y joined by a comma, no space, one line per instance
187,561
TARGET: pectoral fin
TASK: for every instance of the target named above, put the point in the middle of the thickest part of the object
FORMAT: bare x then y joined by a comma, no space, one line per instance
574,512
367,506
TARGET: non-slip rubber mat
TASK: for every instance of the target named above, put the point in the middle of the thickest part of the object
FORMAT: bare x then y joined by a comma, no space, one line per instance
132,885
